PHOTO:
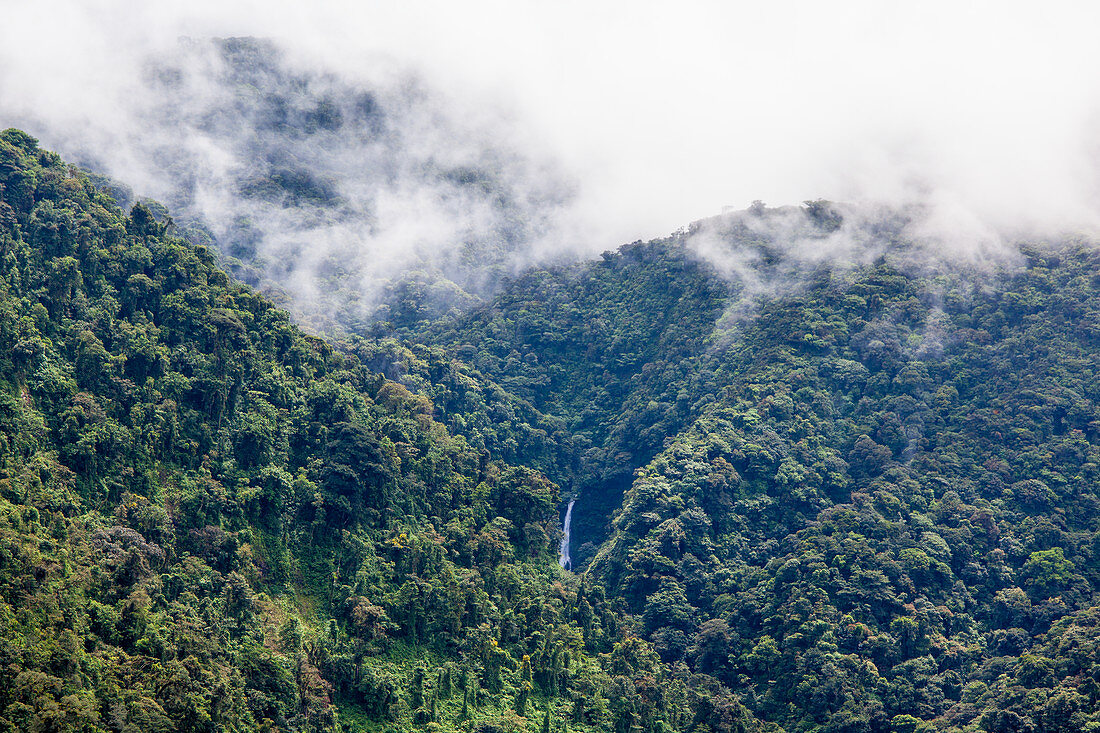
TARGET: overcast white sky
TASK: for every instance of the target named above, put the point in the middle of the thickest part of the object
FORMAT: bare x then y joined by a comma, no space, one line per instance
668,111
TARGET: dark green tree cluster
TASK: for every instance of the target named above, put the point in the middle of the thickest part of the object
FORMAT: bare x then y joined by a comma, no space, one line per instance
212,521
613,353
812,495
868,499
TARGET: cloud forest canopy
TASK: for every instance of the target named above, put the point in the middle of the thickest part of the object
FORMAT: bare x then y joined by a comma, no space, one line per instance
351,199
809,496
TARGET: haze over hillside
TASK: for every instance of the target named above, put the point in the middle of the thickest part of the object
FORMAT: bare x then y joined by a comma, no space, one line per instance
332,400
520,133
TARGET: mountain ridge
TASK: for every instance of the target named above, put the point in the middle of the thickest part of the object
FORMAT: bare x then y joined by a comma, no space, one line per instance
843,495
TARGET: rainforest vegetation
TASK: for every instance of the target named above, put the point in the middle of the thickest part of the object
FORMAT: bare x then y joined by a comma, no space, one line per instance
855,496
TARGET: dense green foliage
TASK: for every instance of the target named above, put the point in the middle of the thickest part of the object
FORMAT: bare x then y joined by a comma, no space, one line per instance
846,498
616,351
894,517
210,521
880,513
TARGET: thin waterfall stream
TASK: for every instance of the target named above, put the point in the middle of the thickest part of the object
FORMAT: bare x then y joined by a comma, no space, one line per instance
563,556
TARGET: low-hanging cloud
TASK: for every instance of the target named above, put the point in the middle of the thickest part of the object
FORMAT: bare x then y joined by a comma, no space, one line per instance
335,189
767,253
598,123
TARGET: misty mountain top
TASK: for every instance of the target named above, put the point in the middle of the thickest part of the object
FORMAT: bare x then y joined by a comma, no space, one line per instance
881,485
374,201
769,251
337,191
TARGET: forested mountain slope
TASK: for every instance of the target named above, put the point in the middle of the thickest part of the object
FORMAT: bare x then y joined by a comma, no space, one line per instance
845,491
895,517
881,505
617,351
210,521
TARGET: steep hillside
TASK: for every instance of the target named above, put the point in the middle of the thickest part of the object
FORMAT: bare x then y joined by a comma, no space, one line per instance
895,517
875,505
825,482
618,351
211,521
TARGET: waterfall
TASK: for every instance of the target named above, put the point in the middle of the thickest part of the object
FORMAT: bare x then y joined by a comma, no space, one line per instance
563,557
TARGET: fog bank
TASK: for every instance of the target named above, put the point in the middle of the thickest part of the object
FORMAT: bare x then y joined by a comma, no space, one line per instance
568,127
